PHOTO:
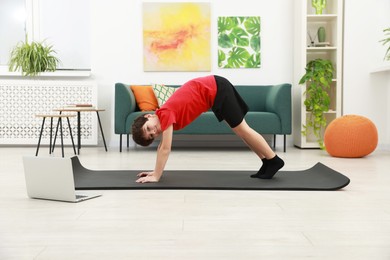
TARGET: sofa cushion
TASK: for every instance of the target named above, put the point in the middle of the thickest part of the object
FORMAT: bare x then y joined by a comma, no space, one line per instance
162,93
144,97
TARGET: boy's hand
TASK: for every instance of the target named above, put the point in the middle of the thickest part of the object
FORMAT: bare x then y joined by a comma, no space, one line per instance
163,151
146,177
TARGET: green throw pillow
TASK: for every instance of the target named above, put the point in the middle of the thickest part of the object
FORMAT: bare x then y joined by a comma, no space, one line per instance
162,93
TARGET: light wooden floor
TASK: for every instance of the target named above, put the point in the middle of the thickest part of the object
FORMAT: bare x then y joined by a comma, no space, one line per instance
353,223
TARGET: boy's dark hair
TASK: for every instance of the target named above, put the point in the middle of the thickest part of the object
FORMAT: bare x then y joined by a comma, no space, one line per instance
138,133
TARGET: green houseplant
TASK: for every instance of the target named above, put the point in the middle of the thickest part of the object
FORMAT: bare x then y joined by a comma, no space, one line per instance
318,79
33,58
387,41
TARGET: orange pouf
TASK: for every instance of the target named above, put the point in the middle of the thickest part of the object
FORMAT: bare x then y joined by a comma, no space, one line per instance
351,136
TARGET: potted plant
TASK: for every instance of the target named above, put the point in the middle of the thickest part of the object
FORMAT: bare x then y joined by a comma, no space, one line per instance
33,58
318,79
387,41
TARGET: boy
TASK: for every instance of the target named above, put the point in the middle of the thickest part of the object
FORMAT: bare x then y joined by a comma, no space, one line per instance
184,106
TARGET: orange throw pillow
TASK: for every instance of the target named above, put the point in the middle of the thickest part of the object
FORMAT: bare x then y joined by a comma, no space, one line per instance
145,98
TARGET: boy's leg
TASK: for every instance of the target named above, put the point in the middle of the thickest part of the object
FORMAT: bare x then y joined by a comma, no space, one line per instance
229,106
254,140
271,162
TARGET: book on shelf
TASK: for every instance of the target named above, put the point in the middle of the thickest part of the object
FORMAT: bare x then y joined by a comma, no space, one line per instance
80,105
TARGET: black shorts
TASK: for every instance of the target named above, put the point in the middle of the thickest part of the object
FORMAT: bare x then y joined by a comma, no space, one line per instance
228,104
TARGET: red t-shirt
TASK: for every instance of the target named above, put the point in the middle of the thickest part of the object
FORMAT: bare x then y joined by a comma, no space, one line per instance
188,102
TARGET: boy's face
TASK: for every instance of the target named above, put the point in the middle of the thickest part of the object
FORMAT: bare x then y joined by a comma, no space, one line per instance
152,127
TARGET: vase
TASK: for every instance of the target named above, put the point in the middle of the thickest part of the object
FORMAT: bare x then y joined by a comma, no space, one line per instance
321,34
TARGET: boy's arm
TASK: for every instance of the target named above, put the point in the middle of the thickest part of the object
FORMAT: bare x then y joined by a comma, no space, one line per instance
163,152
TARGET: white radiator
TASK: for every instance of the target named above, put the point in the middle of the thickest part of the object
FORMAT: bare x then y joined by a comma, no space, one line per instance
21,100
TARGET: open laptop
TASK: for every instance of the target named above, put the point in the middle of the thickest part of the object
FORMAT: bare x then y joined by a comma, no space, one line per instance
51,178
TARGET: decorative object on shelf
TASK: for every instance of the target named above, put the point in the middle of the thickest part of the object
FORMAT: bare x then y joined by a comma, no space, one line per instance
321,34
319,5
318,76
312,39
322,44
387,41
33,58
351,136
239,42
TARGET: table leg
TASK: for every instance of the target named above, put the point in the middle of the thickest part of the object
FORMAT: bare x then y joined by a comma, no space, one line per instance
101,130
62,137
55,135
51,133
78,132
40,136
71,136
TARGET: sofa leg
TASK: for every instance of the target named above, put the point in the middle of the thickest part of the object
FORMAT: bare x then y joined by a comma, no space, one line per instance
284,143
128,141
120,143
274,142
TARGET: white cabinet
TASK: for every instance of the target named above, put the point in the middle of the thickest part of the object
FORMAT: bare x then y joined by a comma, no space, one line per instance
307,48
21,100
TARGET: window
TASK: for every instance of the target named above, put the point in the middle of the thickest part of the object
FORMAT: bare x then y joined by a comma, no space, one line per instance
61,23
12,26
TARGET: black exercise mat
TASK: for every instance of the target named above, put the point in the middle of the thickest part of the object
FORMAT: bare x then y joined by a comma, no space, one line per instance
319,177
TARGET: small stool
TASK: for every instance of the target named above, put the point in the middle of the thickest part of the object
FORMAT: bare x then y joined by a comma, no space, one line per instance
59,123
79,110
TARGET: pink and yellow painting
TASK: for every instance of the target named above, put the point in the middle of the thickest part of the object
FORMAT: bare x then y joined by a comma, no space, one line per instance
176,36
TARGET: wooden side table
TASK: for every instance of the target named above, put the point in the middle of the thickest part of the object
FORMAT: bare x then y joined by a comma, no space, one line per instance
79,110
59,124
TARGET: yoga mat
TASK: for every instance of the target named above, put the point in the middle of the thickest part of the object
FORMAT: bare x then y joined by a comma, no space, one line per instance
319,177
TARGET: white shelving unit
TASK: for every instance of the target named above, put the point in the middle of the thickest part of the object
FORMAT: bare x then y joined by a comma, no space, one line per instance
307,23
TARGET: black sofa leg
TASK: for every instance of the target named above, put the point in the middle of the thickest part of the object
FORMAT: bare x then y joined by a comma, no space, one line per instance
120,143
128,141
284,142
274,142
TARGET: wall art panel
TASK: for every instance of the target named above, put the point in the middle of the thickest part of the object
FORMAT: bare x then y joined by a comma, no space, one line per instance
239,42
176,36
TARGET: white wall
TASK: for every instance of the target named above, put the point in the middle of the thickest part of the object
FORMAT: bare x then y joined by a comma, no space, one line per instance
116,47
367,93
70,36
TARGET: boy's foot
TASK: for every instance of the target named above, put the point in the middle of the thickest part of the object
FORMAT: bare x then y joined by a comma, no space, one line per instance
262,169
273,166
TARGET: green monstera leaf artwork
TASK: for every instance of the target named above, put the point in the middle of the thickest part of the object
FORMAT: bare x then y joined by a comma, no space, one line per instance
239,42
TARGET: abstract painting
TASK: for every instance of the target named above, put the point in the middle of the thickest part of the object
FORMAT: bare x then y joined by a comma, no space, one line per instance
239,42
176,36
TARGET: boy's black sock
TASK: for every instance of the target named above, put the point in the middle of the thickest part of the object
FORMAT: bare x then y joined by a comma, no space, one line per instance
262,169
273,166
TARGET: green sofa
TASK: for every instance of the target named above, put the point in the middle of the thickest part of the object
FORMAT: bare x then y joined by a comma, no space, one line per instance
269,112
